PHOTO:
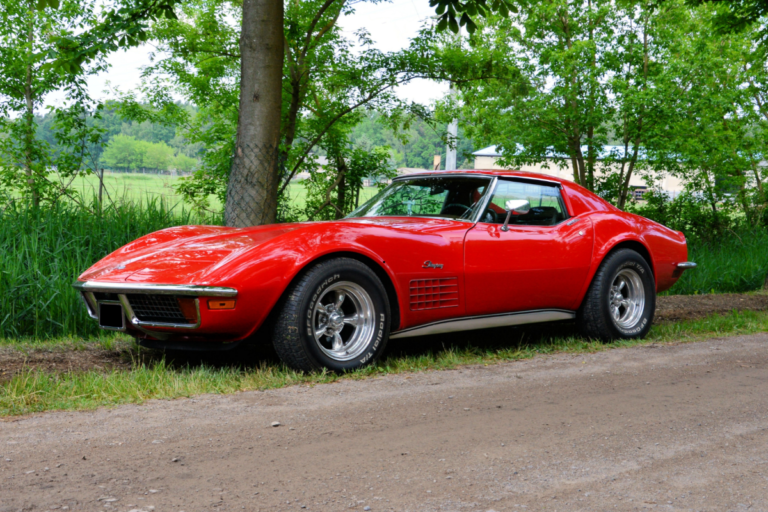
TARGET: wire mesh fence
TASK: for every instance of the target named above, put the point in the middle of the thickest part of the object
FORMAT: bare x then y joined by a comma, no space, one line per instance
254,180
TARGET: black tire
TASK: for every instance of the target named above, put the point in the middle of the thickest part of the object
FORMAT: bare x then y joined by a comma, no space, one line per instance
294,338
595,316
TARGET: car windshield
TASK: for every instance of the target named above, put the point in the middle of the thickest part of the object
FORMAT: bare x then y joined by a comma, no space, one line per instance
453,197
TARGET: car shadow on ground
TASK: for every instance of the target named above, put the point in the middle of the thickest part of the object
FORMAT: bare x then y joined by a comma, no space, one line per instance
259,352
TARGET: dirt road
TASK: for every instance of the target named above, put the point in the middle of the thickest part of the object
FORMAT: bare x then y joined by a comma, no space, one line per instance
678,427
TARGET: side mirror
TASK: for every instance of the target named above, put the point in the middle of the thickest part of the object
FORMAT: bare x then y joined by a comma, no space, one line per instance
516,207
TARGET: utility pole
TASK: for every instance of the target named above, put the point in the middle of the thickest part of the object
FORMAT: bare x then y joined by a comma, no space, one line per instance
450,150
453,127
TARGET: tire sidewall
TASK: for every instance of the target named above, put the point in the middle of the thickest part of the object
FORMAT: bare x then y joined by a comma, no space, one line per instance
318,283
630,260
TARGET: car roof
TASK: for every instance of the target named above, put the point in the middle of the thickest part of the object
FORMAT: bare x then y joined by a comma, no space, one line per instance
581,199
490,172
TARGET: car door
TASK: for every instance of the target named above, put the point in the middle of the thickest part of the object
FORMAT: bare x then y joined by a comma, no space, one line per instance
540,262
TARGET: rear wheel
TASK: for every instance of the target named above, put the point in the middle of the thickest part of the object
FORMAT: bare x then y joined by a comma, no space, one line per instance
621,300
336,316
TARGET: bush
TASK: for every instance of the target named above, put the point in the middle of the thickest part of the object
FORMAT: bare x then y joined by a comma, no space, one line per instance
692,215
46,249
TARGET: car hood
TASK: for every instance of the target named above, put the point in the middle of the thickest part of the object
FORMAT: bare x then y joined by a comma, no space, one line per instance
181,255
203,254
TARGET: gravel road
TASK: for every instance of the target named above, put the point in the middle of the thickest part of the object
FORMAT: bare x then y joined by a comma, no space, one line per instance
672,427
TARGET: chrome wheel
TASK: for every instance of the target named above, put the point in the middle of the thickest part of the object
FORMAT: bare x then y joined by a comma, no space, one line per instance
626,300
343,321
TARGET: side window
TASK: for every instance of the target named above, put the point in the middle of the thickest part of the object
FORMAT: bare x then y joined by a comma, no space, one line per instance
547,206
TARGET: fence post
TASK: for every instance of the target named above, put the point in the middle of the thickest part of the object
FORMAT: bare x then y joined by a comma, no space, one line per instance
101,184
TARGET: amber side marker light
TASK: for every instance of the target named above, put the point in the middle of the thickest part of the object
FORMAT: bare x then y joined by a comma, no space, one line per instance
221,304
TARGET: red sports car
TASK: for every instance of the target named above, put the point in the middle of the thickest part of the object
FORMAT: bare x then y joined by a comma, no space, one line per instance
432,253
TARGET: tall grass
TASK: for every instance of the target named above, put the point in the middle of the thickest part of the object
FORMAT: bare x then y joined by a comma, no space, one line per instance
734,263
43,251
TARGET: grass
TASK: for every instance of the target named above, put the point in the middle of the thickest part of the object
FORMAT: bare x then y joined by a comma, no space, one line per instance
734,264
160,378
137,187
131,187
44,251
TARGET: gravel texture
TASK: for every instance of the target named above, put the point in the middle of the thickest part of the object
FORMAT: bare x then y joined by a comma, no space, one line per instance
668,427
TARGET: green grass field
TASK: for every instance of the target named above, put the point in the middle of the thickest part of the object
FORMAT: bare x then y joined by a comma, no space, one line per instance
138,187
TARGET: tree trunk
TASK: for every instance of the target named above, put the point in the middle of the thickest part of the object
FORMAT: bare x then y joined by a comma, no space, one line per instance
254,178
29,120
624,192
341,193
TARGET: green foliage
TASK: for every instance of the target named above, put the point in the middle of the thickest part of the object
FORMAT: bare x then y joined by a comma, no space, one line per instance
128,154
452,14
680,99
691,214
414,145
124,25
328,79
26,78
334,191
45,249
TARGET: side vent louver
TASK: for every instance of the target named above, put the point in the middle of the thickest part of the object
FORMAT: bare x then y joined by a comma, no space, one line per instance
434,293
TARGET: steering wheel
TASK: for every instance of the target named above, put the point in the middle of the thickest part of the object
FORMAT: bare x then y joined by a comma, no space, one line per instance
489,216
464,207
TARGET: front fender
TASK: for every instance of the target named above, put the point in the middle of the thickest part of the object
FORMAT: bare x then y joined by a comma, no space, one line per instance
262,276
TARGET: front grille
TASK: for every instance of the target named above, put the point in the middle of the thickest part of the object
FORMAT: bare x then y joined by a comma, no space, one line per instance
434,293
157,308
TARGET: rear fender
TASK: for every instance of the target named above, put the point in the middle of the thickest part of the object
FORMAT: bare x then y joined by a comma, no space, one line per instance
612,233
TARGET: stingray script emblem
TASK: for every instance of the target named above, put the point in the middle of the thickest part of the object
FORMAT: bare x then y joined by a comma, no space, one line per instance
429,264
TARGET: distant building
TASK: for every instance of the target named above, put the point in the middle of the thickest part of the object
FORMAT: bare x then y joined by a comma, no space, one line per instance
487,158
322,161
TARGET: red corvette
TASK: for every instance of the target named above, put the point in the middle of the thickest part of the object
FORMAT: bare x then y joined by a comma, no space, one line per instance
431,253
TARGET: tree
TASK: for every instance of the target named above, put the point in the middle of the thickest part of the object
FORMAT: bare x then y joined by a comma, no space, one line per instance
255,168
335,191
27,76
717,137
739,16
158,156
559,101
183,163
123,152
258,124
600,88
327,80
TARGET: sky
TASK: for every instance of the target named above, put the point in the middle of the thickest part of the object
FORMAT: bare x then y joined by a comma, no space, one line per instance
390,24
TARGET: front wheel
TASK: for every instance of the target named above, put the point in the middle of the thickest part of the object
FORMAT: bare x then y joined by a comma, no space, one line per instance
335,316
621,299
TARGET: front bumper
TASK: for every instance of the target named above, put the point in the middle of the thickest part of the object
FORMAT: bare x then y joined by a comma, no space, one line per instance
97,295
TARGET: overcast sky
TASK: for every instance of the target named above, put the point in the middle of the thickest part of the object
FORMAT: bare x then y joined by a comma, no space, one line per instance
391,25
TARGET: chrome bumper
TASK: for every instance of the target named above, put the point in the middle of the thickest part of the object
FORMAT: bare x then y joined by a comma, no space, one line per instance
160,289
88,289
686,265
